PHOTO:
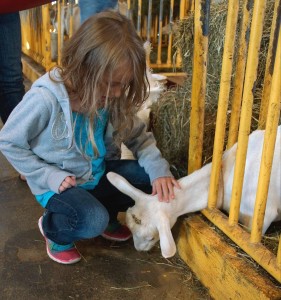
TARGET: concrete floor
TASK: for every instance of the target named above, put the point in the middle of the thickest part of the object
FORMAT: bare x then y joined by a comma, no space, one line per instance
108,270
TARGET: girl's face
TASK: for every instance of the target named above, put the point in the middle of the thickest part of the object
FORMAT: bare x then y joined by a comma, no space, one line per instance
113,86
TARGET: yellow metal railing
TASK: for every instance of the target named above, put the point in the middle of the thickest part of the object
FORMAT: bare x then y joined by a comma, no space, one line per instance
242,100
239,77
268,73
43,39
198,85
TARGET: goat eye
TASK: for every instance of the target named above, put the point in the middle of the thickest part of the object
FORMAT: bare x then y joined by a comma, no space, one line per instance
137,221
150,239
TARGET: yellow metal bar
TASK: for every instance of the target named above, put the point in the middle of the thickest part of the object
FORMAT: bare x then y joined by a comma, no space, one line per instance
32,39
144,27
246,112
185,7
182,9
225,82
46,37
60,34
149,19
159,48
34,34
269,144
268,71
70,3
201,35
155,27
264,257
139,17
169,58
189,6
239,75
25,32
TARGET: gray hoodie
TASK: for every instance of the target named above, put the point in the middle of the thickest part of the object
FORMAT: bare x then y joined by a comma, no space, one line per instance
38,140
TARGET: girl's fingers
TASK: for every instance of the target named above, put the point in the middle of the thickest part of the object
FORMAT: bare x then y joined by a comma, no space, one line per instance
68,182
164,188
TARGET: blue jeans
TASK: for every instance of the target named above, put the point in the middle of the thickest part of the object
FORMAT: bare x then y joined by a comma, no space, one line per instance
11,77
90,7
80,214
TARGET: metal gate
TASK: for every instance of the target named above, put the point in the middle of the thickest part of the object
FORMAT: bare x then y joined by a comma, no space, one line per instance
242,104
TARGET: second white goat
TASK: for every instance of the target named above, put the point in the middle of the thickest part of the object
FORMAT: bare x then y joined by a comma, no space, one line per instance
151,220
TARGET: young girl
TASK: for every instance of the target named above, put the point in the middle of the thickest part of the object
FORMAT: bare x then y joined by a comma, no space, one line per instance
56,136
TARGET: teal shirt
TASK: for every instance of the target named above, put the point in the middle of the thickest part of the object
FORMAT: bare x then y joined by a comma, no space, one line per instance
81,139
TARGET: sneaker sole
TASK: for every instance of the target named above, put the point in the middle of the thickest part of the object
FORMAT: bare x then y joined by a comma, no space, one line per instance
48,251
115,239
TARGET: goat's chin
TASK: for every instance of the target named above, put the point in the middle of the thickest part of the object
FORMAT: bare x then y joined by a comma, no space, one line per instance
144,246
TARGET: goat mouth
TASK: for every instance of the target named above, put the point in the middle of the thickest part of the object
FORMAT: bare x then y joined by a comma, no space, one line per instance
143,248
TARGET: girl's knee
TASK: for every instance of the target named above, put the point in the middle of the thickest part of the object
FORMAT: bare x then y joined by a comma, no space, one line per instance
96,221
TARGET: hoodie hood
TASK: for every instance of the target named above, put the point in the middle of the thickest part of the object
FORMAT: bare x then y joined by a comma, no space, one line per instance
53,82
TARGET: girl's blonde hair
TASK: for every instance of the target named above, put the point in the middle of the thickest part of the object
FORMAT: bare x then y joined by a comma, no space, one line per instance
103,43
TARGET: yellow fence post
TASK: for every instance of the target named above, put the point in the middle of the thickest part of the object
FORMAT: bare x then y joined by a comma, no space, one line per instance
269,142
60,7
246,111
59,30
184,7
159,49
239,75
139,17
25,33
225,82
169,58
46,36
149,19
70,3
268,74
201,36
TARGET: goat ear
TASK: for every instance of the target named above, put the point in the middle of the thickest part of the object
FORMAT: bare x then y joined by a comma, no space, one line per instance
167,243
125,187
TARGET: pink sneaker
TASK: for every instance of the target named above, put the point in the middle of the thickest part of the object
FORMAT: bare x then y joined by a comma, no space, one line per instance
63,254
117,232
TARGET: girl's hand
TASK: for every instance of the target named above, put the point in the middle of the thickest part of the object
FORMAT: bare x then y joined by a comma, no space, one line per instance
68,182
164,188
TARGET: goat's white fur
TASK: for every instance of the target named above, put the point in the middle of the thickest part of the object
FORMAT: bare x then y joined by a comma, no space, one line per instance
150,219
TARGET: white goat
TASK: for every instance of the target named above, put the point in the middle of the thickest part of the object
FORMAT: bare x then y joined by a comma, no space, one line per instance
150,219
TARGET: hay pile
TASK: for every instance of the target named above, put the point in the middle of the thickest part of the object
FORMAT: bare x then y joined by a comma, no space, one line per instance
170,115
170,125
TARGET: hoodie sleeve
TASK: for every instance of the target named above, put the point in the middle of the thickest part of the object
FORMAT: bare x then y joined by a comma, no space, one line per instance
27,121
143,146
